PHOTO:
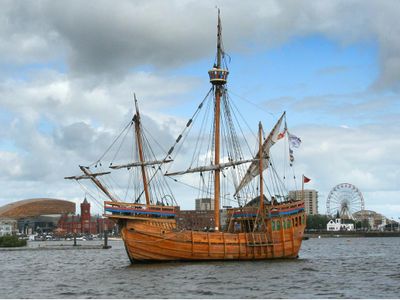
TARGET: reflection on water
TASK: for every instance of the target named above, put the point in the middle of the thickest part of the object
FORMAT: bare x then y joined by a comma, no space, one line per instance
327,268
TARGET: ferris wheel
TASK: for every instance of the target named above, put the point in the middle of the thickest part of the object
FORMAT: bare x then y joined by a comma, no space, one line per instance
345,199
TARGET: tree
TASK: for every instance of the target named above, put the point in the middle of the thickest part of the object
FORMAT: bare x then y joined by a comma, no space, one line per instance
363,224
317,222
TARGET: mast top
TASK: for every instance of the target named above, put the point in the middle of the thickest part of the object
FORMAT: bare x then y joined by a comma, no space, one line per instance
218,75
219,41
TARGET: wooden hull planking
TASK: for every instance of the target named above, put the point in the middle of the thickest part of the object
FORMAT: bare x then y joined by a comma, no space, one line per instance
155,240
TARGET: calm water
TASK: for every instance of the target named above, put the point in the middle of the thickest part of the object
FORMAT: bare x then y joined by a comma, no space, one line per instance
327,268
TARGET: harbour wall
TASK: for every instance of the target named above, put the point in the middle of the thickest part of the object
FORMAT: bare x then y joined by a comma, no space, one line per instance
349,234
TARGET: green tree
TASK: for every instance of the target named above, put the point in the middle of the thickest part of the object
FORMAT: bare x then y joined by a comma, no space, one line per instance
11,241
317,222
363,224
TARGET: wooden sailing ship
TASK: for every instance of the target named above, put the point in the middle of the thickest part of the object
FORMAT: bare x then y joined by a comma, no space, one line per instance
267,227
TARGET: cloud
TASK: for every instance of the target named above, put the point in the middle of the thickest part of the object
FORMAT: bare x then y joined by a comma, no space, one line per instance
364,156
75,65
112,39
358,107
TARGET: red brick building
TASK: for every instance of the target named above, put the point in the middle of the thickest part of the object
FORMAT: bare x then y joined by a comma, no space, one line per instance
84,223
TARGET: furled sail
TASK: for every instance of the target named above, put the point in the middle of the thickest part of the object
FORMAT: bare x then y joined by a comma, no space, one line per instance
213,167
139,164
253,169
92,175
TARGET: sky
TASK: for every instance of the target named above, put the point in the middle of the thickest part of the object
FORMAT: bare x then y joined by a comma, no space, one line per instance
68,71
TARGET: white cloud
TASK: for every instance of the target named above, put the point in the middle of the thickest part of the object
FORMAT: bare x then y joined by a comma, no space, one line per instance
365,156
111,39
58,119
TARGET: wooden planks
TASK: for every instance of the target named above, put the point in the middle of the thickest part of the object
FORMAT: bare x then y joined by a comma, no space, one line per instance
158,240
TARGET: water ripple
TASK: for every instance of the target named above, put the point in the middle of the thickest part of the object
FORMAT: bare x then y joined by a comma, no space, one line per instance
327,268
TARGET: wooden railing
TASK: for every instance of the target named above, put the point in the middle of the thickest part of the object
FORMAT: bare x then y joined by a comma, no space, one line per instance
159,208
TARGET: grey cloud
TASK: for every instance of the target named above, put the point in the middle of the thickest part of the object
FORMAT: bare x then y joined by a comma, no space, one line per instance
115,38
107,38
75,136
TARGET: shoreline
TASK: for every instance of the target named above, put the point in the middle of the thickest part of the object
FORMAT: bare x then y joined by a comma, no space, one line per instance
55,247
351,234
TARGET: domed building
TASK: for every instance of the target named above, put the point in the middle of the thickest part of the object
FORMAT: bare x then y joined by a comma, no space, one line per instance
36,207
44,215
39,214
375,220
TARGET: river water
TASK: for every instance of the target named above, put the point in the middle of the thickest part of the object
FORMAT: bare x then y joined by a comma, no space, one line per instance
327,268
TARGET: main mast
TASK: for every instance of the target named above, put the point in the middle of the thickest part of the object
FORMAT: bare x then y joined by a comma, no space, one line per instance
140,149
218,77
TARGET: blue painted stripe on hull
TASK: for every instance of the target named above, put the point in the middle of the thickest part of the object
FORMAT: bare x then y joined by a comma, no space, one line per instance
140,212
244,215
291,212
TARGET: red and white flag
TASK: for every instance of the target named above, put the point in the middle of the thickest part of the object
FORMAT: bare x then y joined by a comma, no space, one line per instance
281,135
306,179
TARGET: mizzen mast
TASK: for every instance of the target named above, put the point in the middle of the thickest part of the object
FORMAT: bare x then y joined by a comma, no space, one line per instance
218,77
136,119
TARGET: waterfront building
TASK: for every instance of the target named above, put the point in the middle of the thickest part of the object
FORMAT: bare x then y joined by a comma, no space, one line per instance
339,225
30,208
8,226
374,219
85,216
199,219
310,200
39,214
38,224
46,215
205,204
195,219
202,218
84,223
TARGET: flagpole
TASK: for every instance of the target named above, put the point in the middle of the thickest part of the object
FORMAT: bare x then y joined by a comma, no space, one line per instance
302,188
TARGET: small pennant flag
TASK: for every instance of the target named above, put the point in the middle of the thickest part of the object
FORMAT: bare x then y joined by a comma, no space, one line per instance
291,157
306,179
281,135
294,140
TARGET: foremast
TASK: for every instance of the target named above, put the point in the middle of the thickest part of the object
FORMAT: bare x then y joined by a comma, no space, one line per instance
218,77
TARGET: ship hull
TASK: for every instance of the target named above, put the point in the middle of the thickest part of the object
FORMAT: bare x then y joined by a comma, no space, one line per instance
155,240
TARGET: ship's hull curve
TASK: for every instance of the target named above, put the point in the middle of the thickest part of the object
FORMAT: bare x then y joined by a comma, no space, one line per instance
153,240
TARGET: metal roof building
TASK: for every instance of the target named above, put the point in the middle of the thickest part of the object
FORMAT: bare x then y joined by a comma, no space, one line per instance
36,207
